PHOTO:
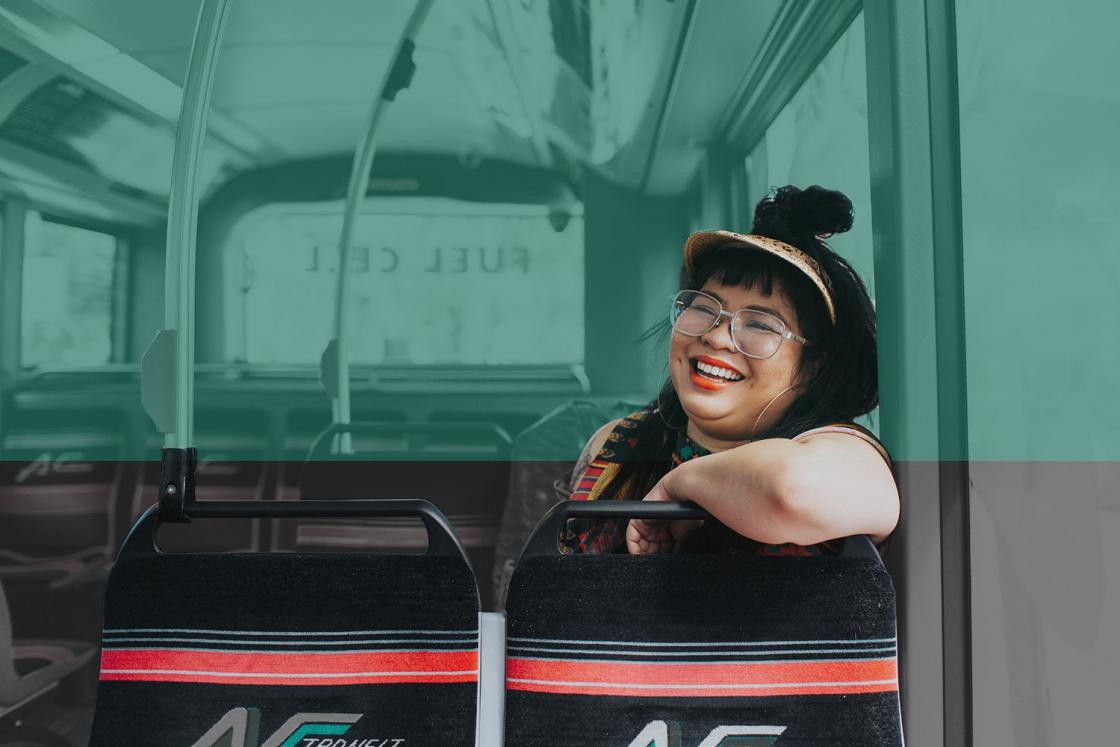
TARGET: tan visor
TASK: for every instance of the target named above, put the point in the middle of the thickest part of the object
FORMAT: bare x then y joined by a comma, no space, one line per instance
702,241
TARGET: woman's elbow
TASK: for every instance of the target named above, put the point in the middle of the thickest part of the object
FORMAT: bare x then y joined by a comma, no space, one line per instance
797,500
816,505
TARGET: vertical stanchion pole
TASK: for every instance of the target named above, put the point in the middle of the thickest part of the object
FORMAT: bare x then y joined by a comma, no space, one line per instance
336,358
167,373
952,368
182,212
913,122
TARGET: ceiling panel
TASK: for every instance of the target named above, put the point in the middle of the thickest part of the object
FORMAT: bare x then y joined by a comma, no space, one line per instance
513,79
725,37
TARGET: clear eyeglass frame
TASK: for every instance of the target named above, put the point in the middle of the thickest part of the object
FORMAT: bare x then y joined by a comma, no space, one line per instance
684,300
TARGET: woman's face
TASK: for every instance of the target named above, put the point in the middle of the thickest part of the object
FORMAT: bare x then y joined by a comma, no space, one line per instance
722,412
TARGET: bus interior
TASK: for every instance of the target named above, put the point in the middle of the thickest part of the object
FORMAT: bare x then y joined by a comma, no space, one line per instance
516,232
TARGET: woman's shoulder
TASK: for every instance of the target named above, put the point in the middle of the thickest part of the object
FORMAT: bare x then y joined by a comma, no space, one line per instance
850,429
599,446
599,439
614,431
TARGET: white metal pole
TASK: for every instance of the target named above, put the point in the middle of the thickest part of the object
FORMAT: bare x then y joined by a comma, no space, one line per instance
359,180
182,213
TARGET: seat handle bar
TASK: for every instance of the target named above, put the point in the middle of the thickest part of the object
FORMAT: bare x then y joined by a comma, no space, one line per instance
442,539
545,539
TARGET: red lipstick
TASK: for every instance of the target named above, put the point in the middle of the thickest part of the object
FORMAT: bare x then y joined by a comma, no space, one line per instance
709,383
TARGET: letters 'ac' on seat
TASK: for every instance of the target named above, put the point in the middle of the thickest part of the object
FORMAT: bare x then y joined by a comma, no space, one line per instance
633,650
199,649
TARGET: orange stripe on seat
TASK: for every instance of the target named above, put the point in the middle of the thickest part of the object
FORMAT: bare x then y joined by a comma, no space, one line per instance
289,668
717,679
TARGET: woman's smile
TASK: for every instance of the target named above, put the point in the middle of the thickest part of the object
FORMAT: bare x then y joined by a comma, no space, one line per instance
713,374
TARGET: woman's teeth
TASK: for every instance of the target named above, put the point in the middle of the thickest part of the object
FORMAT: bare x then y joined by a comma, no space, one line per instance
717,372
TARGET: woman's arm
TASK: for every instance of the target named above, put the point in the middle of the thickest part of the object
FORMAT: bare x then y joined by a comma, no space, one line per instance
775,491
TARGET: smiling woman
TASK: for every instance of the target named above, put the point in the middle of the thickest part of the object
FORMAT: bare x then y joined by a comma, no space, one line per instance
772,357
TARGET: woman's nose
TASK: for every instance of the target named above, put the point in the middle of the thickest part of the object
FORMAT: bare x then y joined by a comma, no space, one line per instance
719,336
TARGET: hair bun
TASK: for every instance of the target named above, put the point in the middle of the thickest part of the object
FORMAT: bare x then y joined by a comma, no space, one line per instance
813,210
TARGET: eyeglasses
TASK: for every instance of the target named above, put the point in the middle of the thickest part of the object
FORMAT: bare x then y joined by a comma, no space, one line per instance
756,334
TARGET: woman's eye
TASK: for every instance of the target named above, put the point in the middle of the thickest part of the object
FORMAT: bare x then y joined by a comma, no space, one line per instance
706,310
755,326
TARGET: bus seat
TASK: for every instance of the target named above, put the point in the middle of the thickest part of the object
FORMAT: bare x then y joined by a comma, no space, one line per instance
543,457
463,468
231,467
31,668
202,648
60,478
692,649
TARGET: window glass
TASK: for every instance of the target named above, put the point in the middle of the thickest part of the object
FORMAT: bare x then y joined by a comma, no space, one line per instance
67,294
1040,181
820,137
435,281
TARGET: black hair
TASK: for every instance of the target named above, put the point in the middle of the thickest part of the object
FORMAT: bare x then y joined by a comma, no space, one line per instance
839,369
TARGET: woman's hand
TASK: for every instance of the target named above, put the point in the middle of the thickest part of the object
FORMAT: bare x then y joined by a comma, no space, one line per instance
652,536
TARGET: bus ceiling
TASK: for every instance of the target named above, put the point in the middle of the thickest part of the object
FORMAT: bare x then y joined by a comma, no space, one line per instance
619,88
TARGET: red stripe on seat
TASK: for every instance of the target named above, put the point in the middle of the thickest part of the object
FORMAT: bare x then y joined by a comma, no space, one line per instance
289,668
710,680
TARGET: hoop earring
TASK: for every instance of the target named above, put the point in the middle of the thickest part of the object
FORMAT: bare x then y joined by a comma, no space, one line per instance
764,409
661,414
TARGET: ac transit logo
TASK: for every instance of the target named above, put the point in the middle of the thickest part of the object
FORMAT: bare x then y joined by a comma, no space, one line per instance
240,727
668,734
44,465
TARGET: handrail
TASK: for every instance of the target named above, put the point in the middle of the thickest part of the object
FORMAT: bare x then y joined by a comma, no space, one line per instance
442,539
167,368
177,421
336,357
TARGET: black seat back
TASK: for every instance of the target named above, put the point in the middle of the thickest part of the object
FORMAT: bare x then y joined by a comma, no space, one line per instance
197,647
604,648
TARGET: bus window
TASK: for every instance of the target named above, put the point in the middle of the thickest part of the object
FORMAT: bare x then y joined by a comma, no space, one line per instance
1039,184
820,137
436,281
67,314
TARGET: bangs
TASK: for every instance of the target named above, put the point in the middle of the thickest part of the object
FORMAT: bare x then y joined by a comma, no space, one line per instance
733,265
